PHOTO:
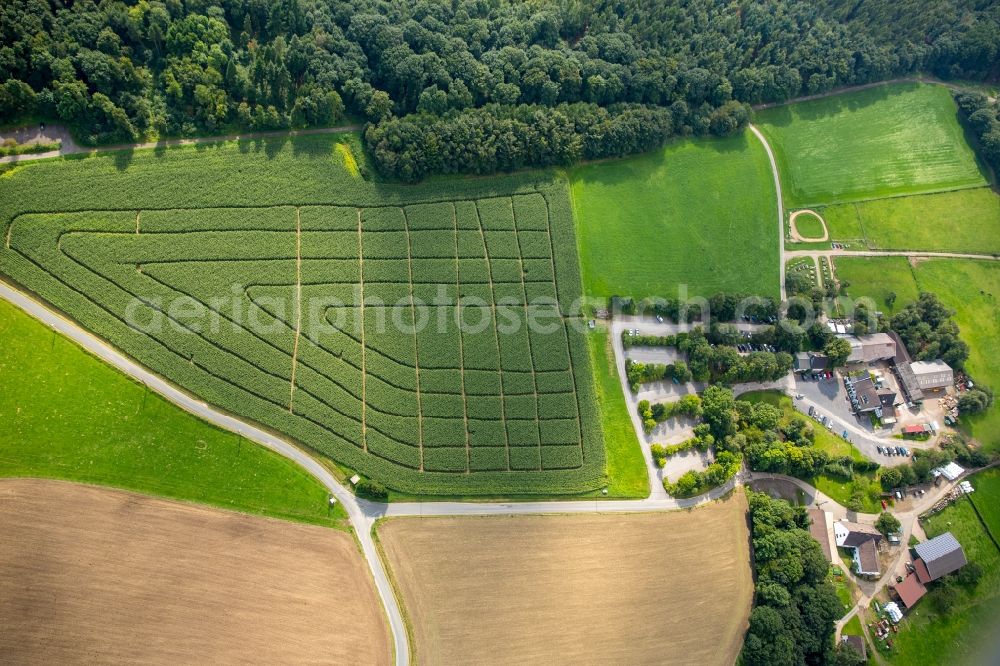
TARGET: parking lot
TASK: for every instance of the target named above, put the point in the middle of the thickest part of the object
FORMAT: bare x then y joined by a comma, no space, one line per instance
830,398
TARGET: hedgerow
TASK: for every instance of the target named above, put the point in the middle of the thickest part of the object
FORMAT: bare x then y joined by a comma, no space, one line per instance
491,412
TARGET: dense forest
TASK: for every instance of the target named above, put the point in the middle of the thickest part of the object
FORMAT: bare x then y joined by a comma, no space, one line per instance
466,85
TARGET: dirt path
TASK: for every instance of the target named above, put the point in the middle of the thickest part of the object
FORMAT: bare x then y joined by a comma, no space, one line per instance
866,86
781,211
796,236
97,574
69,147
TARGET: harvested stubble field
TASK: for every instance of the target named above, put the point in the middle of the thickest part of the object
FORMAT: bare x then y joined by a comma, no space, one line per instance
288,291
106,575
670,588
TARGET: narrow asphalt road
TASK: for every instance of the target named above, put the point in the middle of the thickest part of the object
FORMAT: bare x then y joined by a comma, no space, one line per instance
69,147
361,519
362,513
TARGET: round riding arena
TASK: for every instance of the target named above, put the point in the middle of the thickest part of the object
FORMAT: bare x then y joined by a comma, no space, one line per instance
808,217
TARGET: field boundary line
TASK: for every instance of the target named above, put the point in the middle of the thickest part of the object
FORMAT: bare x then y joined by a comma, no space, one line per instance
138,213
496,333
461,340
569,345
527,333
986,527
361,316
298,302
416,339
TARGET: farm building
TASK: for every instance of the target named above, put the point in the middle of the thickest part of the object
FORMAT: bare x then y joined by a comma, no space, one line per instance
901,362
870,348
910,590
810,362
858,643
938,557
951,471
867,396
864,540
820,527
932,374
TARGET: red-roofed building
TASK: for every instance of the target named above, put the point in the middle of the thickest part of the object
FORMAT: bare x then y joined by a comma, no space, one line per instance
910,590
921,570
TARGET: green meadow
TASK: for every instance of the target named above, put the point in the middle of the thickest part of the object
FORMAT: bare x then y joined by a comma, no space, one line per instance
883,141
64,414
878,278
959,221
700,213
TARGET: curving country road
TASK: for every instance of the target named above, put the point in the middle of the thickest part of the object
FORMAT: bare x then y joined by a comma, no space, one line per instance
362,513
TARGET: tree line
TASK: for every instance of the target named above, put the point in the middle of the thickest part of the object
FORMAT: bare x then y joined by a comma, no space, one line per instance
795,606
436,74
983,118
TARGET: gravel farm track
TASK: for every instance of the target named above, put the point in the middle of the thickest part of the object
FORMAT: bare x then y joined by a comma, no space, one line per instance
108,575
362,513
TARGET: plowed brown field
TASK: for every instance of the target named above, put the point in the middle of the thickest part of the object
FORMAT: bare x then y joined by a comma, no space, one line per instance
98,575
663,588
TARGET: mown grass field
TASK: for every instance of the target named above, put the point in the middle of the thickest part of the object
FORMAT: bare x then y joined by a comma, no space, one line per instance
894,139
960,221
270,280
965,634
970,287
626,467
877,278
597,588
66,415
699,213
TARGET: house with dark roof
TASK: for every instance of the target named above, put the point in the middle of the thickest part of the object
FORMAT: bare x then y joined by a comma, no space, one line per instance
938,557
864,540
865,396
887,401
901,361
810,362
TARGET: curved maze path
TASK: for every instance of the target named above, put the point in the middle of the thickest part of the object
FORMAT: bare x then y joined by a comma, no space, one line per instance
260,311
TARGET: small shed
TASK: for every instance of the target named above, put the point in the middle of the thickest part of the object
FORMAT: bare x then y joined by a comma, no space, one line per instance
858,643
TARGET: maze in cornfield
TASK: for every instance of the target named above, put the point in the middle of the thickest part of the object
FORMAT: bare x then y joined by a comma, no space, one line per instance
432,346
